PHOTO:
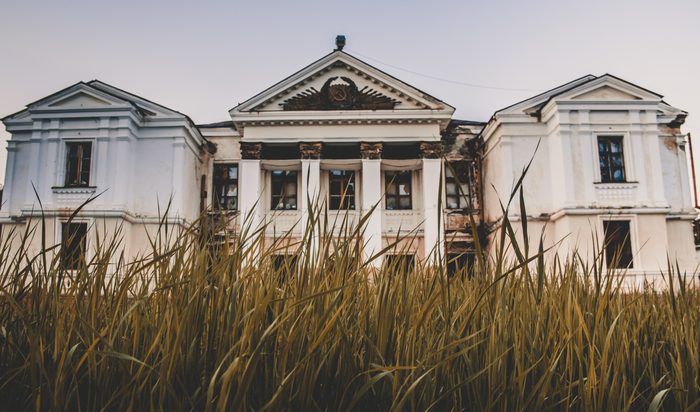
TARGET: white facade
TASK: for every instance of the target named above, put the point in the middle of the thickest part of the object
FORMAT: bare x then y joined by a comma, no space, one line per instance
342,117
142,158
567,187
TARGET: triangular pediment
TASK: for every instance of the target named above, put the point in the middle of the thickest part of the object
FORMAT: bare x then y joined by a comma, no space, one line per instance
77,96
80,99
605,93
605,88
608,88
340,82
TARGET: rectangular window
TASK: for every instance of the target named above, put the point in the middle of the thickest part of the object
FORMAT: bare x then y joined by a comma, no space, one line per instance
78,164
342,189
401,262
456,199
73,244
284,190
460,264
225,187
618,245
612,162
398,190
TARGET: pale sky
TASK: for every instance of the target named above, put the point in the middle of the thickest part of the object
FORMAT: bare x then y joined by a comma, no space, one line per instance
202,58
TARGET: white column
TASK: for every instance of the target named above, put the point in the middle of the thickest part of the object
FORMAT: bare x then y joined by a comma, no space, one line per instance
6,207
432,224
177,206
310,187
121,185
371,196
685,176
250,201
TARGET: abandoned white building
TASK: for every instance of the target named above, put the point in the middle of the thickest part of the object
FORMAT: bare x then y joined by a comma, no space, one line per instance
611,163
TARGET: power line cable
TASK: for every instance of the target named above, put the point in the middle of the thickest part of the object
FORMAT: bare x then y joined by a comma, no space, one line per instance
445,80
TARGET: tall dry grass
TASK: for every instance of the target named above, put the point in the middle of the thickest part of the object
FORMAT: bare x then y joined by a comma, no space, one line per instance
198,324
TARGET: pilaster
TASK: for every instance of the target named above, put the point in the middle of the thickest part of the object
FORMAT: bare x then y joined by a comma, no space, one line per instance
371,197
433,227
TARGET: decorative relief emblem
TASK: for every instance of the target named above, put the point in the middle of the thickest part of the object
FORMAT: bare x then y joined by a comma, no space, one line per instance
342,95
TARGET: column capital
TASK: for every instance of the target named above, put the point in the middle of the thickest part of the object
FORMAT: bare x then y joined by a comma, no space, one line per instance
430,150
371,150
251,151
310,150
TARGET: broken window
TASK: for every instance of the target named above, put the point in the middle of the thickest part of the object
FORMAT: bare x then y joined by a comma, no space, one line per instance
618,245
78,164
284,190
612,162
454,197
342,189
226,187
73,244
398,190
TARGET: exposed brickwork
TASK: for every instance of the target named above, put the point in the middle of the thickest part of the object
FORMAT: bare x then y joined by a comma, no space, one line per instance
251,151
430,150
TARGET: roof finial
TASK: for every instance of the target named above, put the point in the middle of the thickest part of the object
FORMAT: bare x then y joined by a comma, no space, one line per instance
339,42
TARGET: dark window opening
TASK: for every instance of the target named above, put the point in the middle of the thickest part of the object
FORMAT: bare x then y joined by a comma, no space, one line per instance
342,189
401,151
280,151
78,164
73,244
460,264
398,190
284,190
336,151
456,198
618,245
611,157
401,263
225,187
284,266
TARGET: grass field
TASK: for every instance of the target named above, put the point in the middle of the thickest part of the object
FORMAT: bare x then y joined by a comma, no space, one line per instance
195,327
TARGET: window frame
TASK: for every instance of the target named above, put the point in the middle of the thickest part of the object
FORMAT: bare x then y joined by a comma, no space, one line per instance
224,183
85,241
458,166
632,239
608,140
289,176
81,166
390,179
346,179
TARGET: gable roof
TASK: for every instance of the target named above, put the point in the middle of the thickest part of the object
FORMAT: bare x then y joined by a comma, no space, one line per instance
536,103
339,58
99,90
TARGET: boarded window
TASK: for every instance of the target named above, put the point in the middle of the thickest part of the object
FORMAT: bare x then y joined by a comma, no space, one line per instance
398,190
284,190
618,245
226,187
456,198
611,158
342,189
73,244
78,164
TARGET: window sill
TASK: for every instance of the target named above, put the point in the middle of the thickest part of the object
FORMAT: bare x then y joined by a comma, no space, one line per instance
616,183
55,188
